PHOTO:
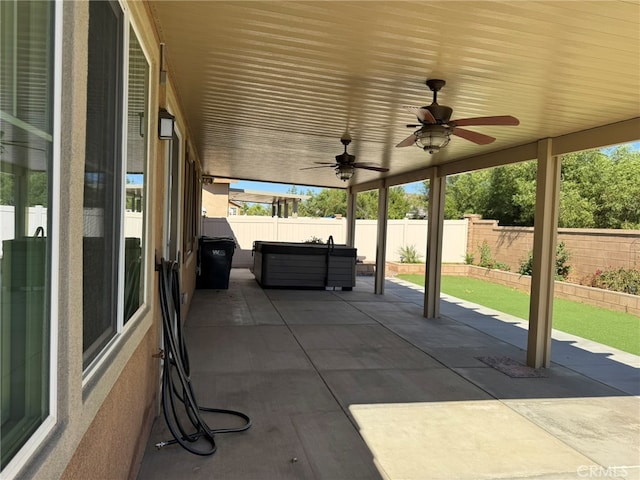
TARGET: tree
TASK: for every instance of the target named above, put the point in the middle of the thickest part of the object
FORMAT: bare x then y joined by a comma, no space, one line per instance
6,189
367,205
329,202
511,198
599,189
466,193
399,204
255,209
619,205
37,189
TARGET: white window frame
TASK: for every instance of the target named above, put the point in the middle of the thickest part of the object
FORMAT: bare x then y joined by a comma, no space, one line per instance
99,362
32,445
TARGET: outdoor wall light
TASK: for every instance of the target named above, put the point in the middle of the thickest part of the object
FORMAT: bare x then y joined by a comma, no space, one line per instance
165,125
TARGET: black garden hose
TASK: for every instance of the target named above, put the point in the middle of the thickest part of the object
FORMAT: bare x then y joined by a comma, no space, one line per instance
177,391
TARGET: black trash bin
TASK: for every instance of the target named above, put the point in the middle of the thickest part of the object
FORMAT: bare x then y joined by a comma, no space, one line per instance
214,262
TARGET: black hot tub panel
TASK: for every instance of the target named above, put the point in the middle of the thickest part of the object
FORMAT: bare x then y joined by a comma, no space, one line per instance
304,265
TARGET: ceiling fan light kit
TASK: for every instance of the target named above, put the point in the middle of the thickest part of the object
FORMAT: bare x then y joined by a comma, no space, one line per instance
344,172
433,137
435,127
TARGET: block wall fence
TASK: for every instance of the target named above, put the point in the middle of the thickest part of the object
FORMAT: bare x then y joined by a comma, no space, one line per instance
590,249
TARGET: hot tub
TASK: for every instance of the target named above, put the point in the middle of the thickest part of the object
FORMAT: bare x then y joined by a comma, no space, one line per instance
304,265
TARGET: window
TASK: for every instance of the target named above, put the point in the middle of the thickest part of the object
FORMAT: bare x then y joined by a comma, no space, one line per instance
26,166
137,112
103,157
115,178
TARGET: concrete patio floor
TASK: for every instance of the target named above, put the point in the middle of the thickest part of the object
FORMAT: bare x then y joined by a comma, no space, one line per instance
352,385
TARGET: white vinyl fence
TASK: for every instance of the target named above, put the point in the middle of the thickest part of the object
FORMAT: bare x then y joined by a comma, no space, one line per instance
400,233
37,217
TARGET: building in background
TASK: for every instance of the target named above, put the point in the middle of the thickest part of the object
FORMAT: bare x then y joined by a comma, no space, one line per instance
220,200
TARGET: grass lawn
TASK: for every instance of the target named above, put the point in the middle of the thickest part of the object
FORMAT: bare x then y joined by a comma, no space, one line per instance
616,329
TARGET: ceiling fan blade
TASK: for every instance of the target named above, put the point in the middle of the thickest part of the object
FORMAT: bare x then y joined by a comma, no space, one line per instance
475,137
423,114
407,142
414,126
498,120
322,166
325,163
367,166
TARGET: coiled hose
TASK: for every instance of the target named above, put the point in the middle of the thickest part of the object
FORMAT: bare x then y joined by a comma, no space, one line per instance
178,399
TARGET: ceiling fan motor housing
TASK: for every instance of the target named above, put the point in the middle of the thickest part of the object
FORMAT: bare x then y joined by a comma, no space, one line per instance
345,158
441,113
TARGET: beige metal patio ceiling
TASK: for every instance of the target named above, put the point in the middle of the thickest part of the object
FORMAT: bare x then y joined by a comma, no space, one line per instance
268,87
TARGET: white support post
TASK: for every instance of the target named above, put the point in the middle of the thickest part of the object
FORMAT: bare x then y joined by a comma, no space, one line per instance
351,217
435,227
544,250
381,248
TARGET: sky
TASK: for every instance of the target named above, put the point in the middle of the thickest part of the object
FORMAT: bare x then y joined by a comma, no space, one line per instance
283,188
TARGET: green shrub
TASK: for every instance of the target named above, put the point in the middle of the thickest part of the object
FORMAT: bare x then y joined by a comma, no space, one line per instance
526,265
409,254
562,268
314,239
620,280
487,261
469,258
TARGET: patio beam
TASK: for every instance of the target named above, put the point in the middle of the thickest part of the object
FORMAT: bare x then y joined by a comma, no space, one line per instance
435,226
599,137
545,231
498,158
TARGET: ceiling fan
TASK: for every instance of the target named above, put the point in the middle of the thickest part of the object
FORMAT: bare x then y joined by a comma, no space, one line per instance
435,127
346,163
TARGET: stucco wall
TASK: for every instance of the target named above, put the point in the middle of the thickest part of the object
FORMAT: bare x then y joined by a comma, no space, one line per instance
113,446
215,199
102,416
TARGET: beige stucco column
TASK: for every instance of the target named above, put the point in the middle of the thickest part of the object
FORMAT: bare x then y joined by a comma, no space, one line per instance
435,227
544,250
381,248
